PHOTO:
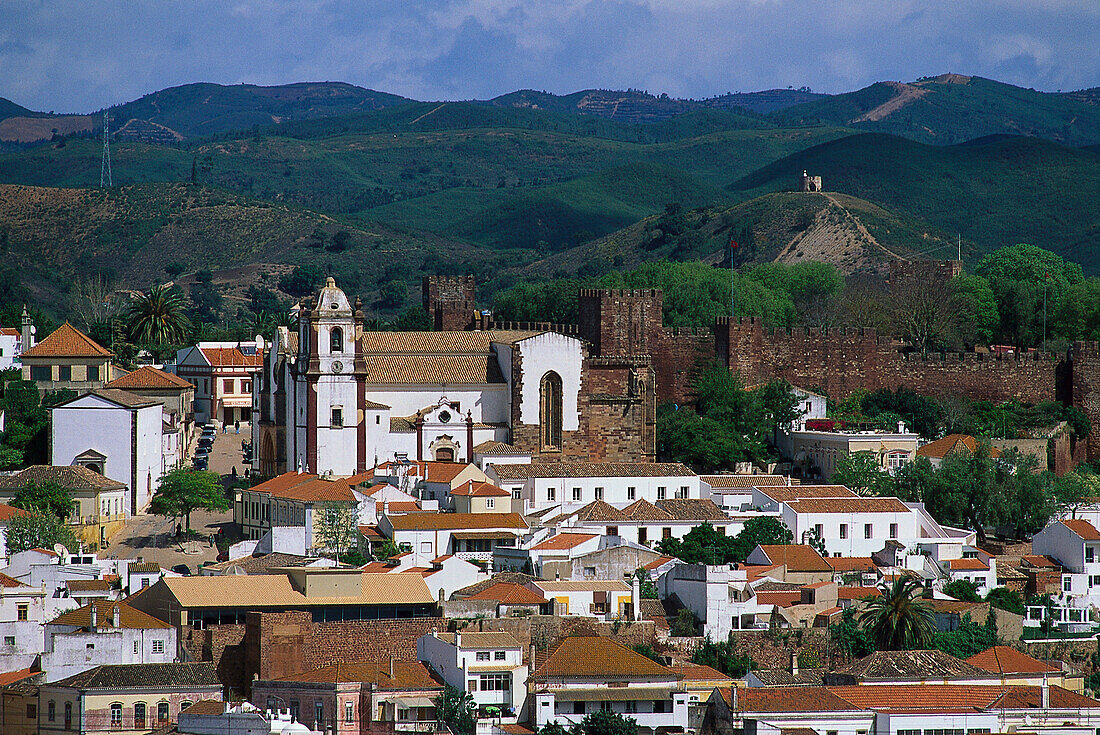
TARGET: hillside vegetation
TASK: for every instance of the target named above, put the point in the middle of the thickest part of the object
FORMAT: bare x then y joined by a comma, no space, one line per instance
994,192
952,108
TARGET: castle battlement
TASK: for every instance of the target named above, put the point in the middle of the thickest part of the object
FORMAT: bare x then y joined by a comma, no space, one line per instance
621,293
567,329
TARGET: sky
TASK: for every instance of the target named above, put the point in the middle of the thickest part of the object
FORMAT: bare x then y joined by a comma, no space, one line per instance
83,55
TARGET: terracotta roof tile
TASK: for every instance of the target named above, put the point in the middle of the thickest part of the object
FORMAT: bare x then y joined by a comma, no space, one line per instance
643,510
474,489
149,377
1005,660
919,665
786,699
87,585
231,357
7,511
1037,560
698,672
746,482
433,471
457,521
692,509
582,585
509,594
128,617
779,598
125,676
599,658
11,677
842,564
10,582
806,492
974,565
276,590
67,341
599,512
407,675
496,449
564,540
856,593
307,488
73,477
1082,528
796,557
658,562
592,469
848,505
205,707
940,448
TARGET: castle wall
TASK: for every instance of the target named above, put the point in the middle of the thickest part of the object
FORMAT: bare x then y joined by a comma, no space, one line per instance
1085,387
450,301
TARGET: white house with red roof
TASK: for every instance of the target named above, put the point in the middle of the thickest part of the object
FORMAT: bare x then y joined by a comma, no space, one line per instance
223,375
1075,544
23,611
11,345
443,574
297,500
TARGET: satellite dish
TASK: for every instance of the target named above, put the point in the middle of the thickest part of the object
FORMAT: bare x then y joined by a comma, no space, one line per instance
60,550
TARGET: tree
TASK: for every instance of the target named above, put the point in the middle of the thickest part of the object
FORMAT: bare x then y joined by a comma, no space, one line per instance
976,310
47,497
1003,598
817,542
158,317
604,722
1021,276
1074,489
456,709
1078,314
704,545
206,300
850,637
860,472
962,589
38,530
723,656
683,625
922,311
338,529
184,490
302,281
969,638
898,620
922,414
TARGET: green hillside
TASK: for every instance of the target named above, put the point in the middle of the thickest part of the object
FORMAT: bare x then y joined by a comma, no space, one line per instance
850,233
952,108
10,109
50,236
995,192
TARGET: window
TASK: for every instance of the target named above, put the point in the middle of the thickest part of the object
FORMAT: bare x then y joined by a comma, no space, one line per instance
589,572
116,715
336,340
578,708
64,372
162,711
318,714
496,682
498,655
819,530
661,493
605,706
550,410
893,530
517,494
227,386
139,716
844,530
89,646
337,417
137,648
612,530
684,491
482,656
246,386
551,494
349,712
51,711
41,372
908,732
93,372
22,611
32,711
576,493
867,530
666,533
1090,554
599,493
490,503
641,534
158,646
659,705
631,706
1067,584
68,715
1094,581
630,492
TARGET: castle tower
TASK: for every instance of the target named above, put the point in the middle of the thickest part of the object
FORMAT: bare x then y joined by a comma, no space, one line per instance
333,436
450,301
809,183
620,322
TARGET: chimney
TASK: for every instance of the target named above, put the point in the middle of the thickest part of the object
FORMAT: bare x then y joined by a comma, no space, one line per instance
636,597
733,697
93,622
115,615
391,667
794,664
531,661
1045,689
458,640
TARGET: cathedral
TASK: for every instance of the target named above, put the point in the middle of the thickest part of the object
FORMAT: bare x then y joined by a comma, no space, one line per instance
333,398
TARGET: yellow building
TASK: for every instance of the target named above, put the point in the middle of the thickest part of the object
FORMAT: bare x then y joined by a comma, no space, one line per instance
68,358
100,503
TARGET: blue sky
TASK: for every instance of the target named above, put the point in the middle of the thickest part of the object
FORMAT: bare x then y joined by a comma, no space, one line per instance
80,55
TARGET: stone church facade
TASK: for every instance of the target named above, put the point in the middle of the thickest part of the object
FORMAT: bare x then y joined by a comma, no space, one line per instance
335,398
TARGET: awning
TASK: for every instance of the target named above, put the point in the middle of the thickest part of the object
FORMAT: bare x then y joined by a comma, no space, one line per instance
411,702
615,694
473,535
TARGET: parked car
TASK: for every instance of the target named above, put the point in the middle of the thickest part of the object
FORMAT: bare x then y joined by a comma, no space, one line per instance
182,569
201,463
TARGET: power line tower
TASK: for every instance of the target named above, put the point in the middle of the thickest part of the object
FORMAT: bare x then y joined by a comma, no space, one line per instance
105,166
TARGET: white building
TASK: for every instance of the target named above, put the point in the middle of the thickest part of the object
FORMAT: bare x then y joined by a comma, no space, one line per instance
487,665
470,536
593,598
1075,544
117,434
572,485
22,614
642,522
105,632
11,345
588,674
443,574
815,452
223,374
299,500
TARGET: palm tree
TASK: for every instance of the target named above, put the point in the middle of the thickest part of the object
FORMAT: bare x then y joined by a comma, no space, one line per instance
158,318
898,619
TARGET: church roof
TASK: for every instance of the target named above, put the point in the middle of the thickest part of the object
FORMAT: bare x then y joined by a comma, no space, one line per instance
434,358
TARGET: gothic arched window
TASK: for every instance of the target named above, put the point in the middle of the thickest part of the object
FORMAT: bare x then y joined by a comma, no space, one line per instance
550,411
336,340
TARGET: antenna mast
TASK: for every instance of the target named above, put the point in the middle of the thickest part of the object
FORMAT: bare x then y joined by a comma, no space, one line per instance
105,166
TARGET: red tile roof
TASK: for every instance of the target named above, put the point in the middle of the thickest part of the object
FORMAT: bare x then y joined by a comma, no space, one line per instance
306,488
231,357
780,598
796,557
901,698
842,564
659,561
509,594
562,541
975,565
67,341
148,376
848,505
952,443
479,490
584,657
6,581
7,511
10,677
1082,528
856,593
1005,660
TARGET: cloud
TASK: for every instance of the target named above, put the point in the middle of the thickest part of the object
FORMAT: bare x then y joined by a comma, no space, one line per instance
80,56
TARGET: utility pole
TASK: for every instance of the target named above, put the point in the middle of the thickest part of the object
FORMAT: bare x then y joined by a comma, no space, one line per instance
105,165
